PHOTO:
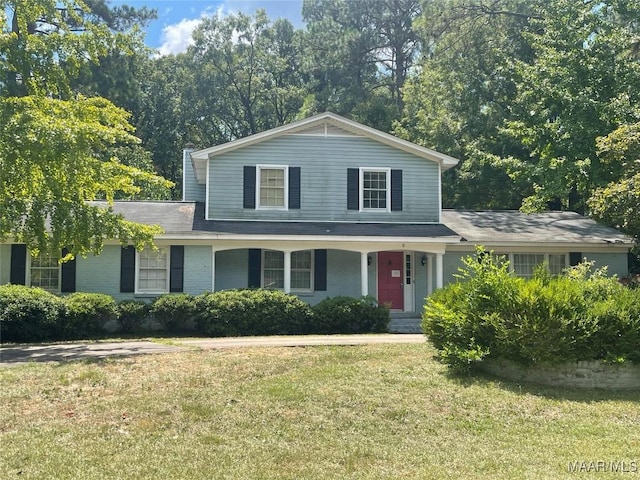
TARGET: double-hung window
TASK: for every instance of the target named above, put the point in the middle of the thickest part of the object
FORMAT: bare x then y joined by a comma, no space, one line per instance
45,272
301,270
152,275
272,191
375,189
524,264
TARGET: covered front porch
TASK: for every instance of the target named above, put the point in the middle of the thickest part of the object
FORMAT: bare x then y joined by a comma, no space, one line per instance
398,273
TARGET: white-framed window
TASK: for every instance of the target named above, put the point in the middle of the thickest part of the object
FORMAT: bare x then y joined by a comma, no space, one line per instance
272,190
301,270
524,264
375,189
45,272
152,271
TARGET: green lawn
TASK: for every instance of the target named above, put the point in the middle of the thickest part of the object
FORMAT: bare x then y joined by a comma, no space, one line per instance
362,412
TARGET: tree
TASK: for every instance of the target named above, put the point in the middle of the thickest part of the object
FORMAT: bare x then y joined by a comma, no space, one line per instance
359,54
618,203
462,93
525,103
246,71
53,142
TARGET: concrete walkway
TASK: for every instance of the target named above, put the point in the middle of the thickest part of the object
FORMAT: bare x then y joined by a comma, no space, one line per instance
83,351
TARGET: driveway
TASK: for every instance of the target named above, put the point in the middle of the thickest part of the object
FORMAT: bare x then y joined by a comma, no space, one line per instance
15,355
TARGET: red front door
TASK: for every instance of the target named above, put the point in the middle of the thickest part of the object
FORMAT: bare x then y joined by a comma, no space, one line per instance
390,279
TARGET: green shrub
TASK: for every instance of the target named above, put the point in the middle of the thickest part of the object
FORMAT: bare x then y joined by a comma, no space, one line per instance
582,315
174,311
251,312
131,315
87,314
28,314
350,315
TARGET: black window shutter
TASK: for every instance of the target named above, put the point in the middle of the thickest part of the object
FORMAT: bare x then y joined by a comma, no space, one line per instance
353,191
18,274
249,187
68,274
176,268
127,269
320,271
255,267
294,188
575,258
396,190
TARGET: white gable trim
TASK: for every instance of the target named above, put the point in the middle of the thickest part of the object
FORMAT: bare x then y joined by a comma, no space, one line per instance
201,156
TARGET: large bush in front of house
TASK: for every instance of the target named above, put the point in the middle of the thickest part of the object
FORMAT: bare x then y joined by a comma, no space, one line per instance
28,314
251,312
582,314
87,314
350,315
174,311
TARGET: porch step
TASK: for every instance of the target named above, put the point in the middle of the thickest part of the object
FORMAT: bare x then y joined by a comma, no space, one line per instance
401,324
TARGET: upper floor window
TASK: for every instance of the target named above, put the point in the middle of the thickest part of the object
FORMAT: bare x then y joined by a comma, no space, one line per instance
45,272
153,271
375,192
272,187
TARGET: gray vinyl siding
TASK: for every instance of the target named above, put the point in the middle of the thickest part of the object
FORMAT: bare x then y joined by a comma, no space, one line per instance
617,262
324,162
192,190
451,263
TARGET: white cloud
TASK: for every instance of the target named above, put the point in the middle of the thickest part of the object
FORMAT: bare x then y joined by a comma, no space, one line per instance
177,37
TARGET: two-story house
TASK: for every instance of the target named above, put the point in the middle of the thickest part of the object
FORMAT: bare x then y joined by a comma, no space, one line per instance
321,207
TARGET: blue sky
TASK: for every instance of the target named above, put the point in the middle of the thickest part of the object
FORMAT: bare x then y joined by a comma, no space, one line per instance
171,32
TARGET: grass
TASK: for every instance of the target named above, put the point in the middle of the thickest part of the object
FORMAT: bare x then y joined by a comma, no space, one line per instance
366,412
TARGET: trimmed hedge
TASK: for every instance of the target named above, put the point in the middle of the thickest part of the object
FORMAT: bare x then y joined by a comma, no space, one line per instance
580,315
87,314
132,315
175,312
251,312
350,315
29,314
32,314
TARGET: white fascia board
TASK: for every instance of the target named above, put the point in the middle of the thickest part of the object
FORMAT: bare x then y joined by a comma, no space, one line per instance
543,246
445,161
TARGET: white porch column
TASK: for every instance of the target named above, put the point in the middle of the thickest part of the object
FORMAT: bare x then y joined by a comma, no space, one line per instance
429,274
213,268
287,272
439,270
364,273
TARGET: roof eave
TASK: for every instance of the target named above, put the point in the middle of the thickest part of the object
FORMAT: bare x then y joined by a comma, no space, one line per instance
200,157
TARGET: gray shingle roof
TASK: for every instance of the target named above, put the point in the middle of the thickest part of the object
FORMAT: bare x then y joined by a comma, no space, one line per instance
486,227
188,218
514,226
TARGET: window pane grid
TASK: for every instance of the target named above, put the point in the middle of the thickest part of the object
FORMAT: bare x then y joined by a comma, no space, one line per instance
525,263
301,270
153,274
45,272
272,187
374,190
556,263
